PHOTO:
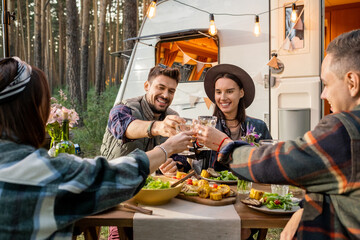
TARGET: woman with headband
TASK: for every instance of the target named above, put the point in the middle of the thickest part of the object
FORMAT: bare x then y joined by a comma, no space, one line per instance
41,197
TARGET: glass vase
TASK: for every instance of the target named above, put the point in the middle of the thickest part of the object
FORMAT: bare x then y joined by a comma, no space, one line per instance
65,145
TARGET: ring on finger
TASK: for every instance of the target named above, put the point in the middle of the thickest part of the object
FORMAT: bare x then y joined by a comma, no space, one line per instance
199,132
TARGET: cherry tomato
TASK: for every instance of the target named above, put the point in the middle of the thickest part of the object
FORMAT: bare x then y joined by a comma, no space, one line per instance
277,201
215,185
189,181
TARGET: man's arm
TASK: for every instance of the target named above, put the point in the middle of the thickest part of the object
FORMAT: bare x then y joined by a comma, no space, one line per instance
119,119
302,162
166,128
124,126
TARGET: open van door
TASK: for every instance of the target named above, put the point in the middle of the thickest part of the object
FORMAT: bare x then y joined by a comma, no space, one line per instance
295,95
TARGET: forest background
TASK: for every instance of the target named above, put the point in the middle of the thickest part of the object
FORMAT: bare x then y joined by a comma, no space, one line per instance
72,42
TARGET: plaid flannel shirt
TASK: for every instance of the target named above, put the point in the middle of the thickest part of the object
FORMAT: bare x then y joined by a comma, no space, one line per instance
325,162
119,119
41,197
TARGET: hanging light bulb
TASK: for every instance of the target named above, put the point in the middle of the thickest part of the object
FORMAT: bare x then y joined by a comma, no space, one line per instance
151,10
212,27
257,26
293,16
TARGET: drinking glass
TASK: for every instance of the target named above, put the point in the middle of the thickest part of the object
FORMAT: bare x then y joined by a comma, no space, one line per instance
209,121
187,126
243,187
282,190
275,188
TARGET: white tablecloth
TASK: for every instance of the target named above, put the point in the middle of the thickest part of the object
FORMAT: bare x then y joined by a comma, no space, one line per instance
180,219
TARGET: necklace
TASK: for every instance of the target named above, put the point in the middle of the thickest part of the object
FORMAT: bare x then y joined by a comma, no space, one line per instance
235,132
232,125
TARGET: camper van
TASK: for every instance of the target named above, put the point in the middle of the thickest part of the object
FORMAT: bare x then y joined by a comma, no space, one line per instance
283,58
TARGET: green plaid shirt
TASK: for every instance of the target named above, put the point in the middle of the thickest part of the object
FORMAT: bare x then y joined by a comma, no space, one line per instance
41,197
325,162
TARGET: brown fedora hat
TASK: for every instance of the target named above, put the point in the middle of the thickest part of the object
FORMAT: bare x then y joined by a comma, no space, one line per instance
244,78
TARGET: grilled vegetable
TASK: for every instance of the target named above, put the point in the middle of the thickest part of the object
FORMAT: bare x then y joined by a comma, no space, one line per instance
202,183
180,175
205,173
256,194
224,189
204,191
217,196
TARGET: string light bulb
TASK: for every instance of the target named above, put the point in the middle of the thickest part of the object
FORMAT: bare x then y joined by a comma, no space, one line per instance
212,27
151,10
257,26
293,16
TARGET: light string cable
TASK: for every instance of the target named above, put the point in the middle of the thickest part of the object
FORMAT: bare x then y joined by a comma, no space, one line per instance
232,14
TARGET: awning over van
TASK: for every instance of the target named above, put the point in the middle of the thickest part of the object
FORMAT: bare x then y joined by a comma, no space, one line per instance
189,33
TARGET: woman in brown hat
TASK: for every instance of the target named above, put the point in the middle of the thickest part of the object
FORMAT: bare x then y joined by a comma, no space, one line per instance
232,90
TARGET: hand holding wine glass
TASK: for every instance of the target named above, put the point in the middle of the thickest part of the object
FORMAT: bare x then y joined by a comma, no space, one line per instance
187,125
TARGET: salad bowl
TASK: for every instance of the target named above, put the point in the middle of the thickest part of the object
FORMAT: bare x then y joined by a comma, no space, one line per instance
156,195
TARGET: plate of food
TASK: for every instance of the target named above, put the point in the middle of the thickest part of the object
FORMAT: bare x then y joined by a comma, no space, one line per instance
271,203
208,193
222,177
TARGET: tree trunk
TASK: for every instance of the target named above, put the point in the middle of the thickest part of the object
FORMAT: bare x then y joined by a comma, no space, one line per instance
37,35
13,37
92,59
100,51
129,24
28,59
96,26
117,45
62,40
50,50
84,64
46,52
43,32
72,54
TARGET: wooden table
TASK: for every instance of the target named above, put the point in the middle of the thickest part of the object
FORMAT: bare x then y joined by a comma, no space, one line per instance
124,219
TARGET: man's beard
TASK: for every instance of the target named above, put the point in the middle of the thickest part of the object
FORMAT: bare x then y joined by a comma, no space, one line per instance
156,111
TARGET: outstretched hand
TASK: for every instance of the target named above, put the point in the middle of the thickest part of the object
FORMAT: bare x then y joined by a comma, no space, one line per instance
178,143
209,136
167,127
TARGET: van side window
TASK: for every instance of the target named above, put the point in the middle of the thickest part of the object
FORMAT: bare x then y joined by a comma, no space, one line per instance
192,56
295,31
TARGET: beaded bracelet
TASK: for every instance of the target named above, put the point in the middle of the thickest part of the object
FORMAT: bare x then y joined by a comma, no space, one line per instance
149,129
163,149
222,141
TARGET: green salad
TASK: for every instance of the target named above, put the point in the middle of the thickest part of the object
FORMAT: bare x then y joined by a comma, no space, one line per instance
275,201
152,183
225,176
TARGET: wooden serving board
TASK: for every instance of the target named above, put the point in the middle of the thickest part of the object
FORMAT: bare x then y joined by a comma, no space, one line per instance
207,201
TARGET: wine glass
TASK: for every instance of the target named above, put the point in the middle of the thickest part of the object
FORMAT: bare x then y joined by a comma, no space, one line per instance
186,126
209,121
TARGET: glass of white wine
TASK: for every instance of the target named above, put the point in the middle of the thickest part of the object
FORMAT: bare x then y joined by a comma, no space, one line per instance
209,121
186,126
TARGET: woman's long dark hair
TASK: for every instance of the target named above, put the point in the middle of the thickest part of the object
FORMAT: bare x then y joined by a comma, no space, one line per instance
240,115
23,118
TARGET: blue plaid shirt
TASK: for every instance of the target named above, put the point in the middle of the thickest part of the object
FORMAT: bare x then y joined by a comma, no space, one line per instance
41,197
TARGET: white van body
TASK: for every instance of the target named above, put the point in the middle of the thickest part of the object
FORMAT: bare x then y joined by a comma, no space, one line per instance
297,87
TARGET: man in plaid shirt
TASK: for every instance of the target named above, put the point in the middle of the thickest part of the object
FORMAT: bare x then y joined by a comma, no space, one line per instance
146,121
325,162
